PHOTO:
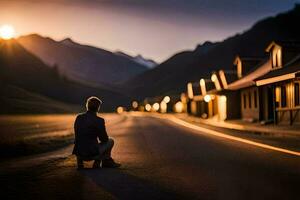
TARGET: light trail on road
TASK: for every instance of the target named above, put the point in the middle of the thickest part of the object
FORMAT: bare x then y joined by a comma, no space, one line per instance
219,134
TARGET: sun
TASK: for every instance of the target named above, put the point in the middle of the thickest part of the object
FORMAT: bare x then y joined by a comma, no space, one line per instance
7,32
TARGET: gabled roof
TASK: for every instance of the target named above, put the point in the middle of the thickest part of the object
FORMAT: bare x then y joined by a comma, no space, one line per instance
287,45
288,71
253,61
216,79
249,79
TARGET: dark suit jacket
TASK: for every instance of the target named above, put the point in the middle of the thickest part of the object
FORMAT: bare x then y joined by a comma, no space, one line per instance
88,129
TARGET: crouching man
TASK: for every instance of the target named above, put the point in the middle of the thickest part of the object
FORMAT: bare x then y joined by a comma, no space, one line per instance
91,139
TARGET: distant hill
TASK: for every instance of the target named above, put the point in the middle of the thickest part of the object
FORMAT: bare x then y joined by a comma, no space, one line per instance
139,59
15,100
172,75
82,63
22,70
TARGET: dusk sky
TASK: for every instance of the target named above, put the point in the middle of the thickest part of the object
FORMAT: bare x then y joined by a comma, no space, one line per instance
154,29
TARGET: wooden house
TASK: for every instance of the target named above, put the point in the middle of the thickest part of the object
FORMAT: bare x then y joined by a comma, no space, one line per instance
282,100
245,86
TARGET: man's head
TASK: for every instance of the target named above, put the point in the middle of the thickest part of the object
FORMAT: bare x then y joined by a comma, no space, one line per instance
93,104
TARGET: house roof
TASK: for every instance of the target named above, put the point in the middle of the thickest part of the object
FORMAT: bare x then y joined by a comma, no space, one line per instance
248,63
249,79
287,45
227,77
288,71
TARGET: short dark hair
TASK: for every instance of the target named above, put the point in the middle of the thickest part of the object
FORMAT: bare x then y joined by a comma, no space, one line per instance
93,103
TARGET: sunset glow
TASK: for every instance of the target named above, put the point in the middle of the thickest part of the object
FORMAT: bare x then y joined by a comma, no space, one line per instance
7,32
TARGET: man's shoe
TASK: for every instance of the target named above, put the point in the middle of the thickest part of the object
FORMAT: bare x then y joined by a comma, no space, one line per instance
110,163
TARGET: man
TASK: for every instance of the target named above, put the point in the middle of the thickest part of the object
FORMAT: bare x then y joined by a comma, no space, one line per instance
89,130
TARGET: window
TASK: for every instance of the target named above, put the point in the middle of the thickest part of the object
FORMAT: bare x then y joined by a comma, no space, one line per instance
277,57
249,99
277,94
283,96
297,94
255,99
274,57
239,69
244,98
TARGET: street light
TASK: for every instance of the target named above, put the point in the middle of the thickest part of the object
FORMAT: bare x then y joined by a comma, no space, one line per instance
167,99
120,110
207,98
148,107
179,107
155,106
135,104
163,107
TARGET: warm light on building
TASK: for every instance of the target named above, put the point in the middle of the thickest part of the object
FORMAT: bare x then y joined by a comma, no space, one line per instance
179,107
155,107
276,56
275,51
238,64
190,90
148,107
167,99
223,79
163,107
183,98
207,98
222,107
215,79
141,108
135,104
277,94
203,87
120,110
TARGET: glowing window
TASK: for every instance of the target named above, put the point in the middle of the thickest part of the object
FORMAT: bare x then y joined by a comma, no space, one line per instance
277,94
239,69
277,57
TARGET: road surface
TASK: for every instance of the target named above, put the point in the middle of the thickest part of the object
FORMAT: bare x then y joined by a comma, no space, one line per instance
160,160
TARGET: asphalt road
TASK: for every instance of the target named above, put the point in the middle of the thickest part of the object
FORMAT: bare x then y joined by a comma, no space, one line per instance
160,160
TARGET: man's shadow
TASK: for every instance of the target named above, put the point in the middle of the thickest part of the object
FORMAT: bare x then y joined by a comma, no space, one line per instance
126,186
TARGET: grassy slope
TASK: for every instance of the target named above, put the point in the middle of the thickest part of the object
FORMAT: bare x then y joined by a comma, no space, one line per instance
15,100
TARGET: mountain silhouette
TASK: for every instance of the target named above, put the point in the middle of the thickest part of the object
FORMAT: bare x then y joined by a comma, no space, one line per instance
23,71
82,63
139,59
171,76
